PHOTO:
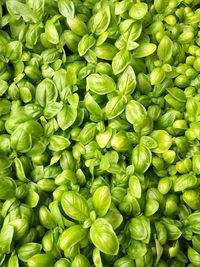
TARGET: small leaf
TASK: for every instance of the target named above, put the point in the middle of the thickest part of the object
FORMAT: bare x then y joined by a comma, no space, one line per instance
135,186
135,112
92,106
66,117
51,32
120,61
66,8
144,50
127,81
6,238
100,84
138,11
148,142
86,42
114,107
104,237
52,109
72,236
141,158
165,48
101,200
17,9
75,206
28,250
185,181
46,92
101,21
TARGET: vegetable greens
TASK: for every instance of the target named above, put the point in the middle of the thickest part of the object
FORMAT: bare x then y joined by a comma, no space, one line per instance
99,133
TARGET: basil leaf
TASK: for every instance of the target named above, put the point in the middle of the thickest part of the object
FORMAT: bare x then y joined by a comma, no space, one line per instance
104,237
101,200
144,50
141,158
115,107
75,206
66,117
120,61
46,92
72,236
100,84
127,81
66,8
165,49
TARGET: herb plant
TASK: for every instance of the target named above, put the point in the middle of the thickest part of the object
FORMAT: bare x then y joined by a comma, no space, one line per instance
99,133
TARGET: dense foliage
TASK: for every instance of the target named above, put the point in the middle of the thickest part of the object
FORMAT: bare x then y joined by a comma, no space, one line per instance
99,133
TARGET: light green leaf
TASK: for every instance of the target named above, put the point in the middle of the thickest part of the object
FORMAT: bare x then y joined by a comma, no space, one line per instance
144,50
104,237
127,81
100,84
120,61
75,206
66,8
165,48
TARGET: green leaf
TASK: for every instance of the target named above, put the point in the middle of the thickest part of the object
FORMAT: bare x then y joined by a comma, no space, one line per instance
177,94
46,218
140,228
72,236
101,200
33,34
100,21
28,250
46,92
114,107
163,139
105,51
52,109
157,76
138,11
21,140
5,162
185,181
135,112
66,117
58,143
100,84
127,81
88,133
148,142
51,32
92,106
120,61
122,6
86,42
137,249
6,238
75,206
80,260
141,158
78,27
104,237
21,228
66,8
20,172
44,260
18,9
144,50
165,48
13,261
193,256
14,51
135,186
